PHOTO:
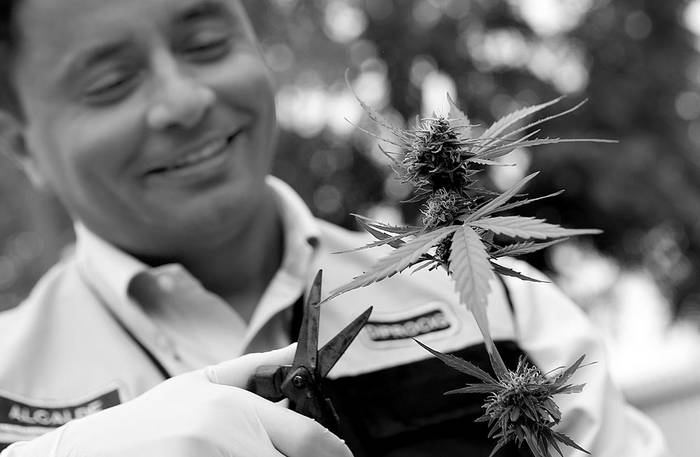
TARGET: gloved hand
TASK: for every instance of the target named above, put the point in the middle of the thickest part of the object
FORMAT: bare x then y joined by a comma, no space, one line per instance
199,414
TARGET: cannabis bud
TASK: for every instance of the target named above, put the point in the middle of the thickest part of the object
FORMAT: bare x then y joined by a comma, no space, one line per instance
435,157
519,406
443,207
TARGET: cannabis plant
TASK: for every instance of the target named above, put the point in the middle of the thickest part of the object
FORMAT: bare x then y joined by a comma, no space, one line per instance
463,230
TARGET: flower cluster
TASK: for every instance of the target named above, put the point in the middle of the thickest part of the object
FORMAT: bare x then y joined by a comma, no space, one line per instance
443,207
441,163
520,408
435,157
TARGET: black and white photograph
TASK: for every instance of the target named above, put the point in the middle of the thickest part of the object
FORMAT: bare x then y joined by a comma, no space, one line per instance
349,228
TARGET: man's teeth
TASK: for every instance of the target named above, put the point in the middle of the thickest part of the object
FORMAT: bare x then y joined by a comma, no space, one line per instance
208,151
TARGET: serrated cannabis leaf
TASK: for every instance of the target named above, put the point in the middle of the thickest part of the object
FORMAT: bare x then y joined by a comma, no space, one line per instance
382,236
381,242
524,247
505,271
388,228
458,120
460,365
543,120
503,123
527,228
473,389
490,162
506,149
500,200
569,442
398,260
471,271
525,201
470,268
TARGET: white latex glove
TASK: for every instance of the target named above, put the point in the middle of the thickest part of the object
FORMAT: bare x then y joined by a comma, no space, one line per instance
199,414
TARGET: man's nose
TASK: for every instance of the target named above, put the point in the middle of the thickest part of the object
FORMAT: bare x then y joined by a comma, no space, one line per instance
181,101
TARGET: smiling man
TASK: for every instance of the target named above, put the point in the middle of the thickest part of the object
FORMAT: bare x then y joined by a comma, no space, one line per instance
153,121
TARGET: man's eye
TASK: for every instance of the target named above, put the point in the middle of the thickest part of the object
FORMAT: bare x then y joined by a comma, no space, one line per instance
207,46
110,86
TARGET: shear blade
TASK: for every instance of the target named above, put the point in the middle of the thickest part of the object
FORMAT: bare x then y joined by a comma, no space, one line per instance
331,352
307,346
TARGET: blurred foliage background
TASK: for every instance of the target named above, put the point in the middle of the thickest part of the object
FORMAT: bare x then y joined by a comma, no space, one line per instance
636,61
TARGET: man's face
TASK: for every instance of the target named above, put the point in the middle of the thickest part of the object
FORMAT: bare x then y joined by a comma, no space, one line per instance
153,120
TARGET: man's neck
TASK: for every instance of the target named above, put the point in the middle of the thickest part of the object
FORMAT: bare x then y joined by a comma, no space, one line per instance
240,269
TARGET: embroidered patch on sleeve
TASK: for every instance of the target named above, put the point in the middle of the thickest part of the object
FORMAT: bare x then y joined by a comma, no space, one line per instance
24,419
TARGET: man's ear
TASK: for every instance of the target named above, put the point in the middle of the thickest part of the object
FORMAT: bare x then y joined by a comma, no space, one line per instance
14,146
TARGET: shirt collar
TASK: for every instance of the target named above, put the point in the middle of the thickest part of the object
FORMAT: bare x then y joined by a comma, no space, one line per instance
112,269
301,230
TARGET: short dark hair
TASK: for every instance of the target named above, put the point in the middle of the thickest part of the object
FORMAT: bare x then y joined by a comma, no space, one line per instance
9,44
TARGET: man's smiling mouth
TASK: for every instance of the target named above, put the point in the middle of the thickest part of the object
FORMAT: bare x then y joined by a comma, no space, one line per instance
206,153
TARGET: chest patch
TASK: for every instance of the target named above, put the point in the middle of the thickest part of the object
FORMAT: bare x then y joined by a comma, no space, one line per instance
412,327
400,327
22,418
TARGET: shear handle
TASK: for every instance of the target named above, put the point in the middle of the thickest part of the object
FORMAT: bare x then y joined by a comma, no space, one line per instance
306,397
267,381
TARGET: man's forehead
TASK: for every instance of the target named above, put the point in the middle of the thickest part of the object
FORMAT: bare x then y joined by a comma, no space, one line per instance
51,12
58,30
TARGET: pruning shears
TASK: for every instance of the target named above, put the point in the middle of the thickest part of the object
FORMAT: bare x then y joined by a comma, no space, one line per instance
302,382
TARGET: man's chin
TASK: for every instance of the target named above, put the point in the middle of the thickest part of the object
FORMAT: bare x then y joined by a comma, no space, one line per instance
233,218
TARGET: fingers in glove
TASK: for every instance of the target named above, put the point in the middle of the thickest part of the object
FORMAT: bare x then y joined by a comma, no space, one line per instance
295,435
236,372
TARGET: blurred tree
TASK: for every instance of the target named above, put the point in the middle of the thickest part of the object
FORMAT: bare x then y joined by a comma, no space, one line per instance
633,59
644,192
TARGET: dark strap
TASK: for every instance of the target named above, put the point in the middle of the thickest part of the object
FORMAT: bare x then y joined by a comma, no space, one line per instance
154,360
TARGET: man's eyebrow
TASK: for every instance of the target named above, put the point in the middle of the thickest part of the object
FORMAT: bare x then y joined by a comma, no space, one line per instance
202,10
83,59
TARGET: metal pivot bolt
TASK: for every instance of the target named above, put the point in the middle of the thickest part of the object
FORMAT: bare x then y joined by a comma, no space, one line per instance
299,381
